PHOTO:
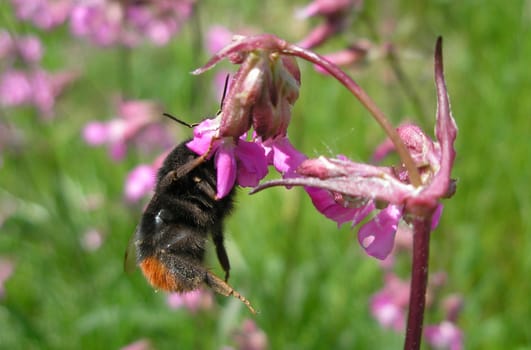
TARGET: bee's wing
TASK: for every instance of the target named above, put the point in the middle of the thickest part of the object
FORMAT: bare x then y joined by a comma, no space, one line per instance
130,254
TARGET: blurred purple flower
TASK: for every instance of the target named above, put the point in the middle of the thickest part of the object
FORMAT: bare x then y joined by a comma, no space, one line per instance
335,13
28,47
142,344
140,181
15,88
6,44
134,117
45,14
199,299
250,337
92,240
445,335
452,305
389,305
350,56
217,38
6,270
108,23
36,87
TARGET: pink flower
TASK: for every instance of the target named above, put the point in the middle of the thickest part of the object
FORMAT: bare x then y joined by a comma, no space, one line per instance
389,305
142,344
335,13
139,182
134,117
30,48
98,20
92,240
325,8
192,301
250,337
15,88
260,96
217,38
350,56
108,23
37,87
235,160
356,185
445,335
44,14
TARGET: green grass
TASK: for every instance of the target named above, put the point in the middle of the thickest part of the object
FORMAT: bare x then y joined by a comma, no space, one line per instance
310,281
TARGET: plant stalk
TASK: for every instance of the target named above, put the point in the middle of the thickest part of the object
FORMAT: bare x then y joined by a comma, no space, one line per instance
419,281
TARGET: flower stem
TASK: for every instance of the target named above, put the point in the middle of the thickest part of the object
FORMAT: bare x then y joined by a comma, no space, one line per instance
419,281
366,101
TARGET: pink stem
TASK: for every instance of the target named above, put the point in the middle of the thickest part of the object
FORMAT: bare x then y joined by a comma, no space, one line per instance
419,281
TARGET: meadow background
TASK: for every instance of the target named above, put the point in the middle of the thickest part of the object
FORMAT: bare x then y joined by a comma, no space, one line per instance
311,282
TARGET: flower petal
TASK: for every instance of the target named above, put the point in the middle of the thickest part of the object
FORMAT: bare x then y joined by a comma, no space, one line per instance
252,163
203,135
286,158
326,205
377,236
226,169
436,216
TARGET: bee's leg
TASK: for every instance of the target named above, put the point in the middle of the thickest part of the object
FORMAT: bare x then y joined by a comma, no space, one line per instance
179,273
217,237
223,288
181,171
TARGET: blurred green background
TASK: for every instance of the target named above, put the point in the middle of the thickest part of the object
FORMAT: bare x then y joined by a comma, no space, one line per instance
310,281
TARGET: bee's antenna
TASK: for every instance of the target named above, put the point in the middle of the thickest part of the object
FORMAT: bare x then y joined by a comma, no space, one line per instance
180,121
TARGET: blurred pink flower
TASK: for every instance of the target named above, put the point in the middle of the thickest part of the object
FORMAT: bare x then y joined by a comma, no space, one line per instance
350,56
108,23
44,14
250,337
335,14
445,335
37,87
140,181
15,88
142,344
6,44
192,301
452,305
134,118
217,38
92,240
28,47
389,305
6,270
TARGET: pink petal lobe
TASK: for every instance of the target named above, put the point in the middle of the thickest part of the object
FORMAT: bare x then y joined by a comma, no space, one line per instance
226,169
286,158
377,236
252,163
326,205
